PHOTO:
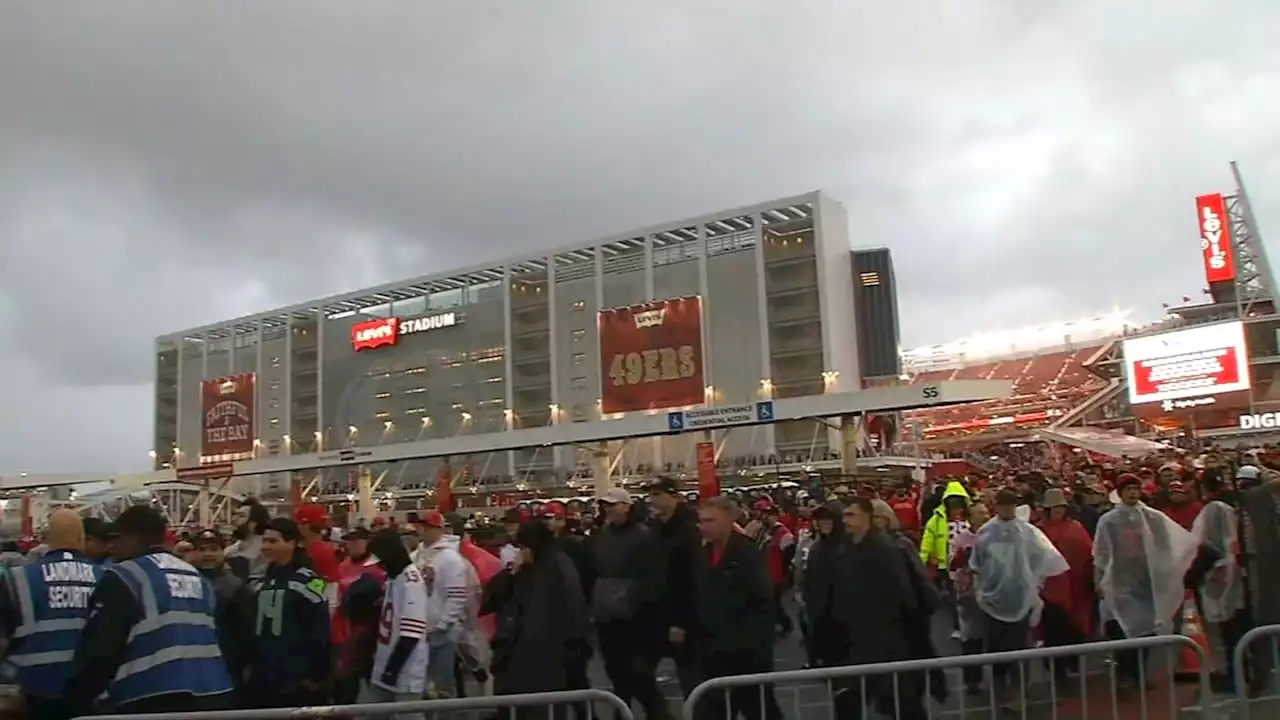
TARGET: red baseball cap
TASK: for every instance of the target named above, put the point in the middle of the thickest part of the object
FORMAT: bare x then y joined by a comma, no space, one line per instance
311,515
433,519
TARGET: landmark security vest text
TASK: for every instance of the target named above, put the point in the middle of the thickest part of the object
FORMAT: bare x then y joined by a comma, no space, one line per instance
52,595
174,647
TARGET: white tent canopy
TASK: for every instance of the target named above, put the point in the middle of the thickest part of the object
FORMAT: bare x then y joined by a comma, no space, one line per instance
1103,442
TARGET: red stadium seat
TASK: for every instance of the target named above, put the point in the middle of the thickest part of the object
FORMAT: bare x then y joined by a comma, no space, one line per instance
1044,386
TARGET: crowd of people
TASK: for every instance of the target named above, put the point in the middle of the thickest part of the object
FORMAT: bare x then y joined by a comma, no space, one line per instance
130,617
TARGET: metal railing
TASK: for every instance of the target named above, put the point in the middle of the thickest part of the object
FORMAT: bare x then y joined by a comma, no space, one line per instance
549,705
907,690
1240,664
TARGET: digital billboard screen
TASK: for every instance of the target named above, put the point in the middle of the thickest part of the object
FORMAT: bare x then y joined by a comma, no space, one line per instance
1198,361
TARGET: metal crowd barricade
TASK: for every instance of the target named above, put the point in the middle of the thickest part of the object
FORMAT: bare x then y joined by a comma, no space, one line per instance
1240,655
567,705
903,690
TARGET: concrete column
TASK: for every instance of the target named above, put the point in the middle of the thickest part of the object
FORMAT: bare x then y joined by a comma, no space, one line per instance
202,504
365,507
600,469
850,443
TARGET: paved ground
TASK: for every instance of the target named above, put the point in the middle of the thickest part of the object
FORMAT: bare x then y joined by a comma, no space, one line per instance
1092,699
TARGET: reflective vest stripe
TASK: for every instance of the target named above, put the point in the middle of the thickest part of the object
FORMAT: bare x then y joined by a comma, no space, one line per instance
43,658
22,593
51,625
168,655
174,647
145,593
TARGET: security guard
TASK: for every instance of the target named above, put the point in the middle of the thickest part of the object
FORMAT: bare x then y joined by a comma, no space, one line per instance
43,607
98,535
150,642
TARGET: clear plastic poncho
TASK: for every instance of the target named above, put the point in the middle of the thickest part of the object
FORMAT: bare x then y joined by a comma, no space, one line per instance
1010,562
1222,592
1140,557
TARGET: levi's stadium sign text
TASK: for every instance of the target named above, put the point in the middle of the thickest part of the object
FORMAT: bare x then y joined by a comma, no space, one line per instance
1215,238
385,331
651,355
1197,361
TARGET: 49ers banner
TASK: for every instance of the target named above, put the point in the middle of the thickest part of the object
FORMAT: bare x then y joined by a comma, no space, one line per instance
651,355
227,417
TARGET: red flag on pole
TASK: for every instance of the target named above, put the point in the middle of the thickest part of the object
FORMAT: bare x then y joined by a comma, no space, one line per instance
444,488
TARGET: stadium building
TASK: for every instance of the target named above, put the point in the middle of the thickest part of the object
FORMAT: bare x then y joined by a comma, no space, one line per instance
752,303
1208,368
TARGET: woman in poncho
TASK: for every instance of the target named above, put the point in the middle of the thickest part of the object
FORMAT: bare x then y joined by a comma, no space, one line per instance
1011,561
1140,559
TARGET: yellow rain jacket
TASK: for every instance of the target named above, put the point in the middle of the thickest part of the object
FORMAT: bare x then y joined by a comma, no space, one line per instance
937,531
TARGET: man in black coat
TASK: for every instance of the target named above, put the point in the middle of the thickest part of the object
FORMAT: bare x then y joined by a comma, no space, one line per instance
1260,531
681,545
625,604
873,600
237,607
734,600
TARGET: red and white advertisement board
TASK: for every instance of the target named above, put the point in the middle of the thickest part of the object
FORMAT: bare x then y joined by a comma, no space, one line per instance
1210,360
226,405
651,356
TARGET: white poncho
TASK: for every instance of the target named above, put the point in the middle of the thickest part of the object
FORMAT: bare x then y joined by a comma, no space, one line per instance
1222,592
1011,560
1140,557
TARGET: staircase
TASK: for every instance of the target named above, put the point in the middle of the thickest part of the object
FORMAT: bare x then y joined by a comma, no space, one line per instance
1113,388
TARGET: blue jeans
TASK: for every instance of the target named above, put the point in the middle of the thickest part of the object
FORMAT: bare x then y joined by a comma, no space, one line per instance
440,675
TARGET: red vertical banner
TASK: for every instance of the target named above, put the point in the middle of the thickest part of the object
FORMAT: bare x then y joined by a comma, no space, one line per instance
651,355
1215,238
444,488
295,492
28,526
227,425
708,478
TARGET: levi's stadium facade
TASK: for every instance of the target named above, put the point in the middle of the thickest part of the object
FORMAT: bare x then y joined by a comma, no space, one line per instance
762,302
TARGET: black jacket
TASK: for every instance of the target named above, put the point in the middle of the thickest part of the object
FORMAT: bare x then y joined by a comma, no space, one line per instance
681,547
291,648
575,548
627,562
820,572
235,619
542,625
873,600
734,600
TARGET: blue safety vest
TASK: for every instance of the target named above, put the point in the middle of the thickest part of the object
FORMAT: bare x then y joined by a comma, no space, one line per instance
174,647
52,596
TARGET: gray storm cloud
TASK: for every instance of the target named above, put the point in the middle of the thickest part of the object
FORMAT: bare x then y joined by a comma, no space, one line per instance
164,165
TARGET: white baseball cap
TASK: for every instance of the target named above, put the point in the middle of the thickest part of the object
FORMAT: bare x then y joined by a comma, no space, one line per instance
616,496
1247,472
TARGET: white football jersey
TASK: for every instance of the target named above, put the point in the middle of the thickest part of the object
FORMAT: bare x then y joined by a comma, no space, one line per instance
404,615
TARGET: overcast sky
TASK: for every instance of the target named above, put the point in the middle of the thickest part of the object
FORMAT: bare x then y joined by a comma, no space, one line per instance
169,164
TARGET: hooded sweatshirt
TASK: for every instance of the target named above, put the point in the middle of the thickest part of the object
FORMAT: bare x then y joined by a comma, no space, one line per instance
448,577
942,525
821,566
